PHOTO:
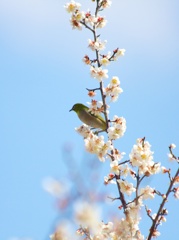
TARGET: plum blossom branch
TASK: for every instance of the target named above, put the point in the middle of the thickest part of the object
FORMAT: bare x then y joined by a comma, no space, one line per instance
141,162
161,210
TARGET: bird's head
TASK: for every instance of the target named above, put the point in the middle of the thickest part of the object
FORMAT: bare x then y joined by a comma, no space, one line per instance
78,107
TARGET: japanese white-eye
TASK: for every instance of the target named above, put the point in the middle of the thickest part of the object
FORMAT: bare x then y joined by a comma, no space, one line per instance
95,121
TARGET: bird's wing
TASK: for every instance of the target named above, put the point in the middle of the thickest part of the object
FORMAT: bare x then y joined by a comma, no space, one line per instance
97,115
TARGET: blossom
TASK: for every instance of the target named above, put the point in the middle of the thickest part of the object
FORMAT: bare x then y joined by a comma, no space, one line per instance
95,107
133,209
141,156
78,15
103,151
106,3
84,130
176,192
165,170
104,61
107,227
124,170
118,53
171,157
101,22
127,228
109,179
163,219
97,45
72,6
95,144
89,19
126,187
155,233
153,168
115,167
115,155
98,73
176,180
113,89
75,24
86,60
147,192
172,145
118,129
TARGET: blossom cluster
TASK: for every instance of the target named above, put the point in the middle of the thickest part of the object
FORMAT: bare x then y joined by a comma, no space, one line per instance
117,129
141,156
95,144
79,18
113,89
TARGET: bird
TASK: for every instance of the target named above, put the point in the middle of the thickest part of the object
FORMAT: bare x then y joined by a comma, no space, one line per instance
94,121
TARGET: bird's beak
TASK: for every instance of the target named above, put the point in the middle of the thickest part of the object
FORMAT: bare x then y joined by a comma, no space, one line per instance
71,110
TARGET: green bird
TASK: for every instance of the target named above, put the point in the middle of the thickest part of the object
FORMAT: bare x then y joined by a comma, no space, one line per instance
95,121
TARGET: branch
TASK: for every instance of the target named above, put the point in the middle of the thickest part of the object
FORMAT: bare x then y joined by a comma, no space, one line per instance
154,224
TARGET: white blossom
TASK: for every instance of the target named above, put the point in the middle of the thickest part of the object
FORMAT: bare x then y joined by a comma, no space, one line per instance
98,73
119,53
96,144
75,23
106,3
113,89
84,130
147,192
126,187
117,129
97,45
141,156
114,167
72,6
101,22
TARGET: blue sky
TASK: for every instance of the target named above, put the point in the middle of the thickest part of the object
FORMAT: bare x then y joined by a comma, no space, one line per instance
42,76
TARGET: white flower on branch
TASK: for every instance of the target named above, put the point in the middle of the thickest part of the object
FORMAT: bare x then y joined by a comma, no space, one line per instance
147,192
126,229
84,130
118,128
75,23
109,179
96,107
95,144
113,89
119,53
114,167
141,156
172,146
72,6
126,187
171,157
124,170
96,45
176,192
104,61
105,3
90,19
98,73
101,22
